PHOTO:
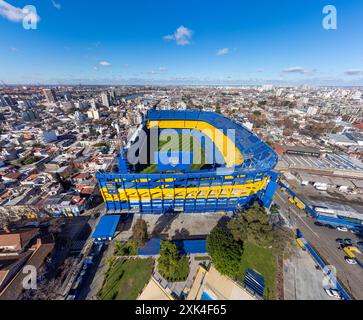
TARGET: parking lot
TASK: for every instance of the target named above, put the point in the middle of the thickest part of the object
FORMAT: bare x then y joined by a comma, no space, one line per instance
302,281
331,161
323,241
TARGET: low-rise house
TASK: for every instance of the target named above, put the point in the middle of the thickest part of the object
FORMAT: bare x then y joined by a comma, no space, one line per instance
12,276
64,205
12,177
16,242
81,177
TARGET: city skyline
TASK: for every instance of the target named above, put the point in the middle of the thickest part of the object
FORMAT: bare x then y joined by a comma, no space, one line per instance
242,43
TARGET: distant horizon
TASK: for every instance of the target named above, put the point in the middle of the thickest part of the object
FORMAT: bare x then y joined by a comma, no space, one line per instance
174,85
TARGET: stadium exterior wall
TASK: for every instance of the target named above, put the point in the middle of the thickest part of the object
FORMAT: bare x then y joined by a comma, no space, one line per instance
195,191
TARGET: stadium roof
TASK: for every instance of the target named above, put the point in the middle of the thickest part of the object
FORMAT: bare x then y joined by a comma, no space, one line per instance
257,154
106,227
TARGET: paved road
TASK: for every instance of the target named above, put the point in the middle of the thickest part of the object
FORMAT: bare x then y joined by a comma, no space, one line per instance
92,222
323,240
95,278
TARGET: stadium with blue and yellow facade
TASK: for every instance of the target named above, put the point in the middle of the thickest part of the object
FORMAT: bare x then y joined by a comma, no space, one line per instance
189,161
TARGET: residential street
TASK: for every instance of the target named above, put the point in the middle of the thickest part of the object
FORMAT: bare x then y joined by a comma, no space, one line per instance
323,240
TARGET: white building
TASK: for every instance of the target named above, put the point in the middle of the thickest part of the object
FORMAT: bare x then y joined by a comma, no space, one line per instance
79,117
312,111
50,95
340,140
105,99
93,113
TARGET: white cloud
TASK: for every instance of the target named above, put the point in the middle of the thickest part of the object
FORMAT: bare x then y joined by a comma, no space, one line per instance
169,37
14,14
222,52
56,5
182,36
299,70
160,71
354,72
294,70
104,63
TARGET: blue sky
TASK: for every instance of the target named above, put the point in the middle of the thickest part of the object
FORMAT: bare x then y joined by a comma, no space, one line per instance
177,42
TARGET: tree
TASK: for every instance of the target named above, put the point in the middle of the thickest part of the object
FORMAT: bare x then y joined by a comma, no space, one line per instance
55,229
283,241
252,225
259,120
287,132
139,232
225,251
218,109
110,261
171,265
100,145
275,208
125,249
288,123
66,185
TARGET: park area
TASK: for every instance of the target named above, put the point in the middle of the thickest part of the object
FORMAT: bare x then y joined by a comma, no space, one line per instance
250,241
263,261
125,279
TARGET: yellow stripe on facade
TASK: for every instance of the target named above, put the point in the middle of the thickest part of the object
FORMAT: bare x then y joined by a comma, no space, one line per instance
235,191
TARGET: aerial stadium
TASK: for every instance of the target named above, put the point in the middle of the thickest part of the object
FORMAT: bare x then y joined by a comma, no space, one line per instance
189,162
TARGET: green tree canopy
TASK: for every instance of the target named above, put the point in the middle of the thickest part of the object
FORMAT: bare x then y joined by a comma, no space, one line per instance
171,265
125,249
225,251
253,225
139,232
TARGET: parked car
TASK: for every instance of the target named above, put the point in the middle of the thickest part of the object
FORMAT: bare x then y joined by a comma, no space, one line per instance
334,293
348,242
350,260
339,241
343,229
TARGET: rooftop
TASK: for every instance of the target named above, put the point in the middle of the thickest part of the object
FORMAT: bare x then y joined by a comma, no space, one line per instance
17,240
106,227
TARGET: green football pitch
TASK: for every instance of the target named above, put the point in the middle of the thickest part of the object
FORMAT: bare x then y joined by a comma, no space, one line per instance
180,143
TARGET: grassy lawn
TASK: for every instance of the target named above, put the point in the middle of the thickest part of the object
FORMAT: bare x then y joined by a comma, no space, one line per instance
263,261
125,279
